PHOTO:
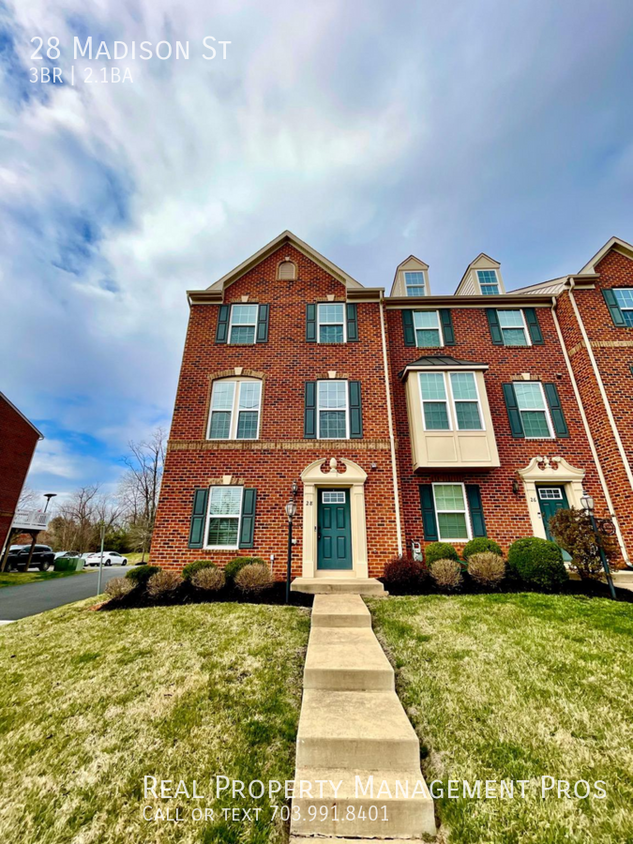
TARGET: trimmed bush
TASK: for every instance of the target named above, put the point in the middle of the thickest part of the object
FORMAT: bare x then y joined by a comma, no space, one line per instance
209,579
163,584
254,579
404,573
238,563
118,588
439,551
537,562
486,568
479,545
141,574
447,573
191,568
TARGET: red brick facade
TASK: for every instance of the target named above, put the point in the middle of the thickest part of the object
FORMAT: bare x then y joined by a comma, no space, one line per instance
285,362
17,443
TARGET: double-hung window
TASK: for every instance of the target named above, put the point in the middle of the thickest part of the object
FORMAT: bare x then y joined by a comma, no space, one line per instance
624,298
452,512
243,324
332,410
513,328
488,282
332,323
428,333
450,401
225,512
533,409
235,409
414,284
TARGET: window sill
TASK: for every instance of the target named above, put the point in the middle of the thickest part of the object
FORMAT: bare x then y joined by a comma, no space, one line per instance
221,548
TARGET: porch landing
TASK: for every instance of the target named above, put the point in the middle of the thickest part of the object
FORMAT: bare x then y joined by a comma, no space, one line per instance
332,585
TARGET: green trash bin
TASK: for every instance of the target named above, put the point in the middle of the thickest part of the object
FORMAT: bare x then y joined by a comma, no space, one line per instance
69,563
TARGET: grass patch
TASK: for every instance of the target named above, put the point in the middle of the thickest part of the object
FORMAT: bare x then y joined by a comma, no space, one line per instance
519,687
92,702
17,578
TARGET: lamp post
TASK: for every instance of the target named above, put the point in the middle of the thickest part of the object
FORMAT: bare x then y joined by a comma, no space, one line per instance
588,506
48,496
291,511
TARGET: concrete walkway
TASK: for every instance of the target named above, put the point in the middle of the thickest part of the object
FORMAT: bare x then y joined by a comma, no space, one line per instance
358,757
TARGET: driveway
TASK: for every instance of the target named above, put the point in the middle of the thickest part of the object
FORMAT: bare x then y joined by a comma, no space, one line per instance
20,601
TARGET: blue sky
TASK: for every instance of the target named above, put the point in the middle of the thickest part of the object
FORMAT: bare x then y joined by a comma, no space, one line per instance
372,131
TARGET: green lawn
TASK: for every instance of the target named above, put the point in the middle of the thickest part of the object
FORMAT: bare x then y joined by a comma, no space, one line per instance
16,578
519,687
91,702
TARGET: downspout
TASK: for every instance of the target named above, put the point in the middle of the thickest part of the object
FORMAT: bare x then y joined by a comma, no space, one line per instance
392,442
585,423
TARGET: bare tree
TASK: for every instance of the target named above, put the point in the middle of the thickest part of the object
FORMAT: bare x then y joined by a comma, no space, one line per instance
29,499
140,486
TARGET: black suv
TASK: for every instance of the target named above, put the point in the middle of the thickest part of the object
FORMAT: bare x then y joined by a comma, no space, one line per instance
43,557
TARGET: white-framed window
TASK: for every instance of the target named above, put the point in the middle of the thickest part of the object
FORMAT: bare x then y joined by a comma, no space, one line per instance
488,282
550,493
513,328
414,283
235,410
428,331
332,410
534,411
450,401
331,317
333,497
624,298
224,517
451,512
243,324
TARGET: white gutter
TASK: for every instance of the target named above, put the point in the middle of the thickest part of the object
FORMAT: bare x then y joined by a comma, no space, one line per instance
392,442
585,423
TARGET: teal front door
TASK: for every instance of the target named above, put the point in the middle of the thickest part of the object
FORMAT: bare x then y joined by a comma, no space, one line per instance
334,532
550,500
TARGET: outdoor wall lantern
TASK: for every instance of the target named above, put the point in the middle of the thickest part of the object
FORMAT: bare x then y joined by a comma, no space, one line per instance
291,512
588,505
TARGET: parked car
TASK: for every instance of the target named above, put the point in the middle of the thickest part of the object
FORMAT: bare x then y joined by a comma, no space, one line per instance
110,558
43,557
67,554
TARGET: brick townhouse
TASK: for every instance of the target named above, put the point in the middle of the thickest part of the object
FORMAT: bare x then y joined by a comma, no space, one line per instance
394,420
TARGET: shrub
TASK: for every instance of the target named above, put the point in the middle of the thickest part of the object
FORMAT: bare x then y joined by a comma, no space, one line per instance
254,578
439,551
404,572
141,574
238,563
209,579
164,584
537,562
486,568
118,588
573,530
447,573
191,568
479,545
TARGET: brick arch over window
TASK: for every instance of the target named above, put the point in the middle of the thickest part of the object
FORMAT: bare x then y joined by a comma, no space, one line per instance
286,269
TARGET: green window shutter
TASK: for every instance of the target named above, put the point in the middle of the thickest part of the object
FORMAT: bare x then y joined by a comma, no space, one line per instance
309,416
262,324
198,517
447,327
495,328
473,496
222,328
352,323
614,308
556,411
516,425
533,327
311,326
247,527
355,411
428,513
407,327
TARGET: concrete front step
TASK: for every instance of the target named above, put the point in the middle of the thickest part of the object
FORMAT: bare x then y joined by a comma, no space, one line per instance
355,730
346,659
334,585
378,804
339,611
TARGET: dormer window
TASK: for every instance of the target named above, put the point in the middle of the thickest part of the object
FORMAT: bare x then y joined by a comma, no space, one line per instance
414,283
488,282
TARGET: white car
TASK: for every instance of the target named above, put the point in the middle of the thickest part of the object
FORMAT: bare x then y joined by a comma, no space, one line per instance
110,558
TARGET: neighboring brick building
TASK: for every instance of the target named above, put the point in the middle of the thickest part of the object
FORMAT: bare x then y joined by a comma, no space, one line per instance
18,438
400,419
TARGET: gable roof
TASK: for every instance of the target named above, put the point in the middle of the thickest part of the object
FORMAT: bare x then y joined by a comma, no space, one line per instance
616,243
19,412
286,237
473,264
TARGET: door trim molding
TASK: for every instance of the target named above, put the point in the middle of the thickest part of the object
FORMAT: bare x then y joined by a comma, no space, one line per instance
353,478
550,471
